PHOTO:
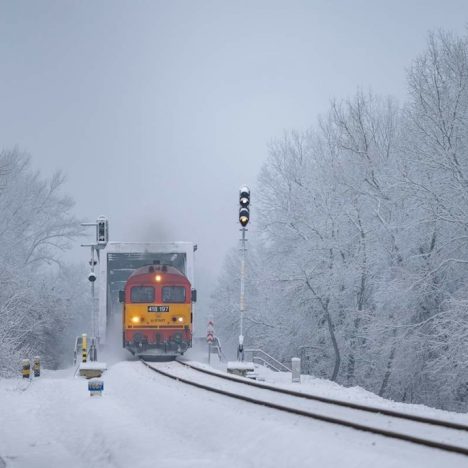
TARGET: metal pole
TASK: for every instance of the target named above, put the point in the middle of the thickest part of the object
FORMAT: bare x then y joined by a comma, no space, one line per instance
240,353
93,318
102,238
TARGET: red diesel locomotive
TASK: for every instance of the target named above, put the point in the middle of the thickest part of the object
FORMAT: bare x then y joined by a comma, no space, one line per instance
157,311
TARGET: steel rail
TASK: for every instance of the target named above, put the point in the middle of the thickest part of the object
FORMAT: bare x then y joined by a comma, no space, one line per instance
330,419
346,404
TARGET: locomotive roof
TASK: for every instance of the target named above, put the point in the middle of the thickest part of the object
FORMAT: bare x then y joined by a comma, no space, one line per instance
150,269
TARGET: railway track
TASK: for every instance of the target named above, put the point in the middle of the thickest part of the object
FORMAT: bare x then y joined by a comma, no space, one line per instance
444,435
346,404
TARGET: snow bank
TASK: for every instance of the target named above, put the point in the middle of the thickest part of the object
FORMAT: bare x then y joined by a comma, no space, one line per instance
144,420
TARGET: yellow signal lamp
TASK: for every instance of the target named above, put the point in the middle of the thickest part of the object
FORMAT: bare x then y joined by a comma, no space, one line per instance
244,216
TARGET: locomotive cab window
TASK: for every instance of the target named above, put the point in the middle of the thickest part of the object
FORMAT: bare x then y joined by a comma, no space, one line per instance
142,294
173,294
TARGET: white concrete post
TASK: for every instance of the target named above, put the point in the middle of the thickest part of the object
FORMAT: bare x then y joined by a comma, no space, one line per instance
296,369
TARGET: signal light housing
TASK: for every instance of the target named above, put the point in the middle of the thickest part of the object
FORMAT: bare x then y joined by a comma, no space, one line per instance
244,197
102,232
244,202
244,216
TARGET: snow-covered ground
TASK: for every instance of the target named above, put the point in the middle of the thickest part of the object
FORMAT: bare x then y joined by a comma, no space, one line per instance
147,420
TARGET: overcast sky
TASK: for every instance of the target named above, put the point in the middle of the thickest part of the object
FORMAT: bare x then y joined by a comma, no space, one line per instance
158,111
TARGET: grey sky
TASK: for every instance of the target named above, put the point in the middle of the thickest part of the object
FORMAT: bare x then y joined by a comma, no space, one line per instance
157,111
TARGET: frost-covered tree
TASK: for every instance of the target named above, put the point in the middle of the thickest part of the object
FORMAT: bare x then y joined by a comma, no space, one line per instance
436,172
37,225
363,239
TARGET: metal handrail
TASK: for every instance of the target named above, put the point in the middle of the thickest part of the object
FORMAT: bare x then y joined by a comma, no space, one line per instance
220,350
262,361
215,347
271,358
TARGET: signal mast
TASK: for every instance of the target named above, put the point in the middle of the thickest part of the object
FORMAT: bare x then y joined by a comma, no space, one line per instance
244,217
102,238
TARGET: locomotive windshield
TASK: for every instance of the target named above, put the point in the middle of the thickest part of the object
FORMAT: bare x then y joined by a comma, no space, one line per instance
173,294
142,294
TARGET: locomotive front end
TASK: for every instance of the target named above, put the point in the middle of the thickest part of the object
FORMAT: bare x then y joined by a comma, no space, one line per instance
157,315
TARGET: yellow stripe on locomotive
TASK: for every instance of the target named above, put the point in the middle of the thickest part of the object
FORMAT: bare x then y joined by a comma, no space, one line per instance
137,315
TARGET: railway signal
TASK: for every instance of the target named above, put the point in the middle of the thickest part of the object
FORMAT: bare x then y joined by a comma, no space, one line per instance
102,238
244,218
244,202
102,232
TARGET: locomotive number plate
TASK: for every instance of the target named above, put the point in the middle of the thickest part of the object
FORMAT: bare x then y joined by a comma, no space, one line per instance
158,308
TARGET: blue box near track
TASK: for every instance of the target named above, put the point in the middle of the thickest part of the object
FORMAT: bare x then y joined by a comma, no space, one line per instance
95,387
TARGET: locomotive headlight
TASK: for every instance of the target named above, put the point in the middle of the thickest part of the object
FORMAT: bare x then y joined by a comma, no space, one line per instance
180,319
136,319
157,278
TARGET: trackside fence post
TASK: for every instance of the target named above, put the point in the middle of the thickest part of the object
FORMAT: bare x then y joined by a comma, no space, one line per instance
84,347
37,366
26,368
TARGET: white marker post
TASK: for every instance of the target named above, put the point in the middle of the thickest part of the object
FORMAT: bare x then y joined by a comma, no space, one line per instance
296,370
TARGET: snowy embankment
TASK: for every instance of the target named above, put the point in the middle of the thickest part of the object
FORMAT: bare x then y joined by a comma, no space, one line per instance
147,420
376,422
325,388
